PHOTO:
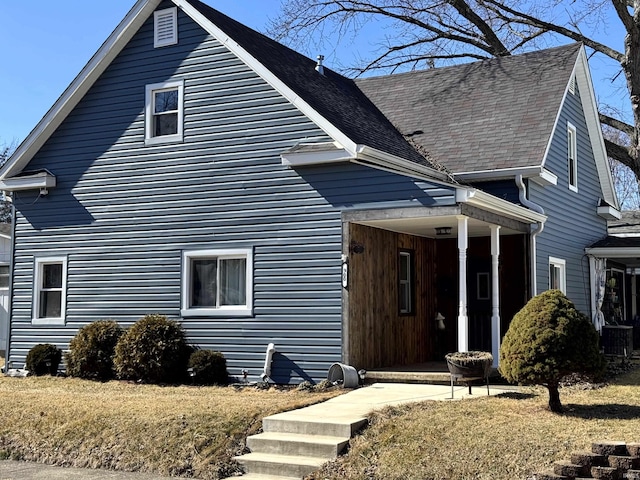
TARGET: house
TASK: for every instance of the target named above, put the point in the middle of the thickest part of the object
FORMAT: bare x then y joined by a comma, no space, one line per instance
198,169
5,262
616,276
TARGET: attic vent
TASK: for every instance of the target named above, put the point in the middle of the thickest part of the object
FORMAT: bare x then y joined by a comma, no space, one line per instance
572,85
165,27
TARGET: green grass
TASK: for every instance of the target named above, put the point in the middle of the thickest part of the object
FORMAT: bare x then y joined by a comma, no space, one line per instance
498,438
178,431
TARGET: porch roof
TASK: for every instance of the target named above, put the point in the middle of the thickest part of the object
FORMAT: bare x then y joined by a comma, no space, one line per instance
625,250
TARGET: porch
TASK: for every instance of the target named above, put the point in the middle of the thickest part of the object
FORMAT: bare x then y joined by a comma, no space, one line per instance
404,305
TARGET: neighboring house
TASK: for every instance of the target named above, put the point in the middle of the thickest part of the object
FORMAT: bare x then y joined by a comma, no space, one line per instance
198,169
618,299
5,262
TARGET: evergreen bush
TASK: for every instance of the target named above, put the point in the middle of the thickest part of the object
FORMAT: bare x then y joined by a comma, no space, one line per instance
208,368
92,350
153,350
43,359
547,340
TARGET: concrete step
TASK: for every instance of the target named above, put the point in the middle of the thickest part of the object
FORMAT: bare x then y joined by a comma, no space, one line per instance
283,443
283,465
332,428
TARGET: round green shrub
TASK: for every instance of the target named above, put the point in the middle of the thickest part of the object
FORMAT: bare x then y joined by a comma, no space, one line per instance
43,359
153,350
208,368
547,340
92,350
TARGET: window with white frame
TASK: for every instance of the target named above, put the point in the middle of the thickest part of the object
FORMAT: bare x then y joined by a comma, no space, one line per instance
405,282
165,27
572,157
50,285
164,112
558,274
217,282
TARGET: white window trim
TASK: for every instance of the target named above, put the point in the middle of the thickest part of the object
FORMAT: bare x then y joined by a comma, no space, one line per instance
572,144
157,16
404,254
37,277
150,90
559,262
225,310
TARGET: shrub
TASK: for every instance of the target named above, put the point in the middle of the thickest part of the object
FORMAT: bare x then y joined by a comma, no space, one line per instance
153,350
547,340
208,368
44,359
92,350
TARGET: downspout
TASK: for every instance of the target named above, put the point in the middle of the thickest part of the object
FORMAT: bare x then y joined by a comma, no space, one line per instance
266,371
522,192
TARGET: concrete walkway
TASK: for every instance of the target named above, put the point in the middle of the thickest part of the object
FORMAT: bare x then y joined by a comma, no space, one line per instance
352,406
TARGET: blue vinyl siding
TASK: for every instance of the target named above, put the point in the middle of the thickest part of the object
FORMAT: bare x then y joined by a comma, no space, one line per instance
573,223
123,213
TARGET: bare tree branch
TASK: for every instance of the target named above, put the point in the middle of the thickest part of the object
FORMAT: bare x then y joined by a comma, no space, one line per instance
617,124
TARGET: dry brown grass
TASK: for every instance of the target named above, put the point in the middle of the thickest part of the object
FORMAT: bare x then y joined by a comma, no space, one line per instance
499,438
178,431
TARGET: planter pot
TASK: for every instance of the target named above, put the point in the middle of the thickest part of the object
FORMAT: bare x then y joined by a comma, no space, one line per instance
466,367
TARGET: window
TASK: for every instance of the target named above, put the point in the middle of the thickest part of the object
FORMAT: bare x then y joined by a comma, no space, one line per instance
164,112
557,274
405,282
50,282
217,282
572,156
165,27
4,276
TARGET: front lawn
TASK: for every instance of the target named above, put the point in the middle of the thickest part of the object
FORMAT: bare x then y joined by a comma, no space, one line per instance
490,438
179,431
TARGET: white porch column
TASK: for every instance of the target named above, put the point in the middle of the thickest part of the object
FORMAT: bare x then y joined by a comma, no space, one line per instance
495,293
463,319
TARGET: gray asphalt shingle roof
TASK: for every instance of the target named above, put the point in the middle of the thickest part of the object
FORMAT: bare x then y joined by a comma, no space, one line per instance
493,114
334,96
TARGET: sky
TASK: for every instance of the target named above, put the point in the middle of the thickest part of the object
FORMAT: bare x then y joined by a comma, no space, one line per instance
45,44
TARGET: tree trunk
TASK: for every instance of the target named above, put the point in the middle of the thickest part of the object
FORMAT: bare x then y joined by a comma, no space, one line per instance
554,398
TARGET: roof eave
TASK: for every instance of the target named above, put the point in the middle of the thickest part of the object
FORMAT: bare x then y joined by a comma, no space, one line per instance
79,87
536,173
489,202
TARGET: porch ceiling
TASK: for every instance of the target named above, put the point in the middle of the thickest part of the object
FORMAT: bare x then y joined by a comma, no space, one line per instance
425,226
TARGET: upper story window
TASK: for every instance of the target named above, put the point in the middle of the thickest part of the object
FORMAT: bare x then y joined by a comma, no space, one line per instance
405,282
165,27
572,157
558,274
50,284
217,282
164,112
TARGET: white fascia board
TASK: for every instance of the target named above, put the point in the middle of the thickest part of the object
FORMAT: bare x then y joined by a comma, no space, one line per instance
79,87
614,252
296,159
609,213
267,76
590,107
30,182
486,201
538,174
373,157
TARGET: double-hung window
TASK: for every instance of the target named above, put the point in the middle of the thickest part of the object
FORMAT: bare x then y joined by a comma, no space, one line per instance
572,157
217,282
50,284
405,282
558,274
164,112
